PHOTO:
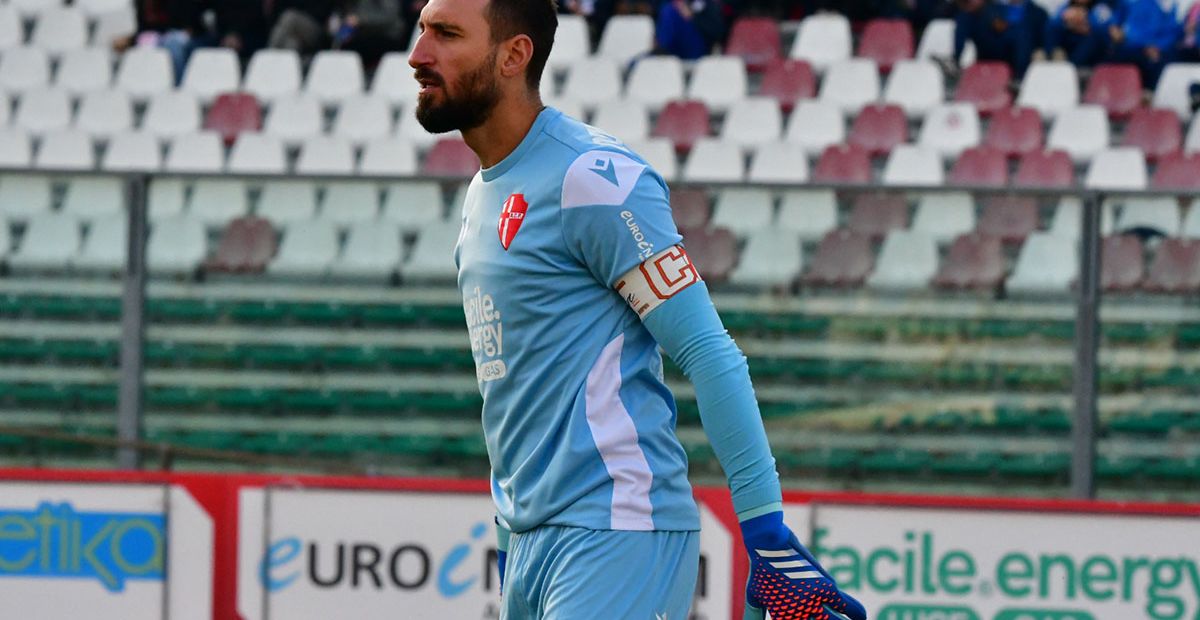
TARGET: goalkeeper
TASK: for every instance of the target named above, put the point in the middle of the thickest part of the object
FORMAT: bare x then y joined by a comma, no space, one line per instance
573,275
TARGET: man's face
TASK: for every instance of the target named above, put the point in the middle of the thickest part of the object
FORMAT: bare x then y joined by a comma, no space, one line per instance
455,64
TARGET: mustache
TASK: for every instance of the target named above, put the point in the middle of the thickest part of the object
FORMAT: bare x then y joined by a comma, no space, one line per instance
428,75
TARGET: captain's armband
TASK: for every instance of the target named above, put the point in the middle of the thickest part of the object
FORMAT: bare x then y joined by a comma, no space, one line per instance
659,278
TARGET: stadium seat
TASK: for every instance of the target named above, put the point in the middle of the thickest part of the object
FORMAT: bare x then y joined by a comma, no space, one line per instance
1157,214
713,250
908,260
246,246
1049,88
937,41
363,118
655,80
1015,131
816,126
372,251
275,74
450,157
388,157
974,262
875,214
756,40
985,85
878,128
24,196
683,123
1081,132
842,163
196,152
913,165
1116,88
412,205
16,150
779,162
943,216
1050,169
30,9
234,113
1008,218
394,80
43,110
94,198
718,81
307,250
256,153
60,29
12,31
103,113
410,129
714,161
1173,89
1046,264
350,202
145,71
1175,268
113,25
591,81
743,210
84,70
176,246
980,165
771,258
571,42
288,200
132,152
24,69
1177,172
216,202
211,71
68,149
1155,131
753,122
660,154
1117,168
1122,263
432,256
325,155
104,247
625,38
50,241
172,114
626,120
842,259
851,84
690,209
788,82
294,119
916,86
1066,220
951,128
823,40
334,76
808,214
886,41
164,199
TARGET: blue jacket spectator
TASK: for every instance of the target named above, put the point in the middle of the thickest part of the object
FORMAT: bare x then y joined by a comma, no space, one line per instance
1005,31
1080,30
1146,33
689,28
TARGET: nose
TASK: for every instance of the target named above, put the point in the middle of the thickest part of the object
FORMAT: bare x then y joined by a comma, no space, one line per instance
420,56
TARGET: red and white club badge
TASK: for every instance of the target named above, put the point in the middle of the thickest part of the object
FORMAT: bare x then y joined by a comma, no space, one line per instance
511,217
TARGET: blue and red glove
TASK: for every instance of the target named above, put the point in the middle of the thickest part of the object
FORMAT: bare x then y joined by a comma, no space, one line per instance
502,535
786,580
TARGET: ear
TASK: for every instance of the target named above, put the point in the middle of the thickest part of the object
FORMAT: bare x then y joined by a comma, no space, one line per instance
515,54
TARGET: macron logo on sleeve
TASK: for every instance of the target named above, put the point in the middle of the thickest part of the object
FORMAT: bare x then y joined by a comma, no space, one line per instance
600,178
606,170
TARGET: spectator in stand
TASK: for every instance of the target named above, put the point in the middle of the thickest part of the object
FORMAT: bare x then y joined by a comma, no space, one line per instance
300,25
174,25
1005,31
1079,32
689,28
1146,34
373,28
241,26
1189,48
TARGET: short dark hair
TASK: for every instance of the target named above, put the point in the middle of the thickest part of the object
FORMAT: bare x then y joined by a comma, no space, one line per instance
536,18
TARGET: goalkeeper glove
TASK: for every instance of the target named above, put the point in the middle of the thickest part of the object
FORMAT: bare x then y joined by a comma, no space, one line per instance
502,535
786,580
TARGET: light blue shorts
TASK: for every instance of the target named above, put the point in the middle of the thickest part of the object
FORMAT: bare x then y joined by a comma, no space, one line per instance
571,573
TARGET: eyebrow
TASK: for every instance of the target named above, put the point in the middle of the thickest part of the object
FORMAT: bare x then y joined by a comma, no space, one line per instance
440,26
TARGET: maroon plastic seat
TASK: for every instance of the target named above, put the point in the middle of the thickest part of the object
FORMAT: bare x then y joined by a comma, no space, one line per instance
843,258
757,41
233,113
788,81
1008,218
1117,88
1015,131
1156,131
886,41
843,163
683,123
690,208
1176,267
1122,263
980,165
1177,171
713,251
878,128
875,214
974,261
985,84
450,157
246,246
1051,169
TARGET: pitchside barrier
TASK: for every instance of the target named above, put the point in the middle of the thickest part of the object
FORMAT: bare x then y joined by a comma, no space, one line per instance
132,546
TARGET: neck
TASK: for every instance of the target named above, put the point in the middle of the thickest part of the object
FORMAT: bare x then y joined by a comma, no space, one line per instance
503,131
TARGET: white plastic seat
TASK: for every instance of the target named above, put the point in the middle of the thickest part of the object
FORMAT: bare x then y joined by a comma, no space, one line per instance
394,80
772,257
257,153
347,202
145,71
104,246
16,150
294,119
1117,168
176,246
779,162
592,81
32,8
432,256
1050,88
660,154
907,261
50,241
84,70
104,113
626,37
211,71
113,25
172,114
24,69
334,76
807,213
363,118
917,86
372,250
851,84
1160,214
1045,264
43,110
950,129
743,210
1191,142
60,29
1173,88
944,215
913,165
655,80
132,151
1081,132
217,201
308,249
714,160
568,107
94,198
388,157
165,198
196,152
823,40
325,155
937,41
24,196
623,118
67,149
96,8
753,122
815,125
1191,224
12,31
412,205
1066,219
410,130
286,201
274,74
718,81
571,42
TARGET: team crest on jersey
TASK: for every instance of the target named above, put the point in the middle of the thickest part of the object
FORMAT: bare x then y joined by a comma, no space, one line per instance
511,217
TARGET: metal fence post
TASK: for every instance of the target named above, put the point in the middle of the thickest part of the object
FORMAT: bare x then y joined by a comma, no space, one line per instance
1087,328
133,328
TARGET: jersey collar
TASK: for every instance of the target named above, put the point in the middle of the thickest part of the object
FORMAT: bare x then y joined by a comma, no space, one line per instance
545,116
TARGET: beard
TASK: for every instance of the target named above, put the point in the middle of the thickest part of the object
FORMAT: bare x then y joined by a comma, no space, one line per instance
477,95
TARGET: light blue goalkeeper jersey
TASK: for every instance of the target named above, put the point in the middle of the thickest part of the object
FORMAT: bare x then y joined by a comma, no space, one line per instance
580,427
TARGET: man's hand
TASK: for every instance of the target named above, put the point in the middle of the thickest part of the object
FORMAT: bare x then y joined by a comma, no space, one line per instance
786,580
